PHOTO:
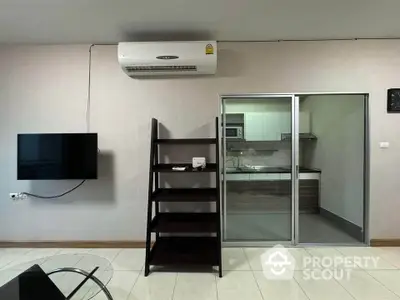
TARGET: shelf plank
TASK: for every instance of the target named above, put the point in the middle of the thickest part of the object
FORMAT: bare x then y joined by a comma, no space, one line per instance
186,195
185,251
185,222
201,141
167,168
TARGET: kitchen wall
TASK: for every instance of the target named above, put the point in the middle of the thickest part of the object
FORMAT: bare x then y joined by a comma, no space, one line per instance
268,154
338,122
44,88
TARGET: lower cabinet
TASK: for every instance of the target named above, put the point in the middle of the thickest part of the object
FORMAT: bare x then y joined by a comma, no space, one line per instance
271,195
309,195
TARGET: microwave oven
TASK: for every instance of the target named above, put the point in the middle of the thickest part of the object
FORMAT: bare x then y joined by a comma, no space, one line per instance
234,132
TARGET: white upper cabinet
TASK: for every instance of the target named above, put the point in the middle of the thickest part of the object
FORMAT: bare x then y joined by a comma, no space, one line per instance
269,126
262,126
254,126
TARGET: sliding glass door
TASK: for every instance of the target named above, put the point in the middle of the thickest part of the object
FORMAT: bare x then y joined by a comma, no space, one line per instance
294,168
259,136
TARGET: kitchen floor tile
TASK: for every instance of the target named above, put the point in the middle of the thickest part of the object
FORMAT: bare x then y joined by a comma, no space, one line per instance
315,228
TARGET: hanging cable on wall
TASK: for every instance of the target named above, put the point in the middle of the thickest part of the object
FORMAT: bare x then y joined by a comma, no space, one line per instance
89,89
87,114
56,196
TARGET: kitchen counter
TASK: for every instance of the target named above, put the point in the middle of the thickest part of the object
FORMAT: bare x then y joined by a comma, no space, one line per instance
268,170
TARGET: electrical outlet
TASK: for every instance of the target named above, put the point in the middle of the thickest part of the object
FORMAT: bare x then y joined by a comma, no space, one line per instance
17,196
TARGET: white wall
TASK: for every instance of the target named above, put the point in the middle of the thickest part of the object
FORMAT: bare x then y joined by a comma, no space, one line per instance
44,89
338,122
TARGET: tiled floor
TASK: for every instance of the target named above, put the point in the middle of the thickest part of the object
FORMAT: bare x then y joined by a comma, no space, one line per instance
243,275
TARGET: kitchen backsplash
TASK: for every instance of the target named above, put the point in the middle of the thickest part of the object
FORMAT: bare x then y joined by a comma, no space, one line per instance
259,154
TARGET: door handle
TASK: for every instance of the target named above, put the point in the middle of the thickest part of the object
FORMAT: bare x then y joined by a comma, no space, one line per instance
297,171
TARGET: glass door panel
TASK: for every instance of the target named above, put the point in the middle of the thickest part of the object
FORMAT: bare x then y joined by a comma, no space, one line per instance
258,166
331,191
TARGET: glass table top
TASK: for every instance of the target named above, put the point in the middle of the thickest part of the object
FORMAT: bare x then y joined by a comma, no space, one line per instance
66,282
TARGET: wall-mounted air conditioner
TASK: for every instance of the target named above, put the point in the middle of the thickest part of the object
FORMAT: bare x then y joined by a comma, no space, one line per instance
139,59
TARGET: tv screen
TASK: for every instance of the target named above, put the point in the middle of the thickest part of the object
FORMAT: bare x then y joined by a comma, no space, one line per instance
57,156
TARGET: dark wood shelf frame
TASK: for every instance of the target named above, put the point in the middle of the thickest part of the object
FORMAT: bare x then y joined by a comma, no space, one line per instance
185,223
204,141
189,249
167,168
186,195
184,251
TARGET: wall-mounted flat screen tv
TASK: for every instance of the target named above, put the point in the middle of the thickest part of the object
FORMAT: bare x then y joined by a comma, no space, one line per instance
57,156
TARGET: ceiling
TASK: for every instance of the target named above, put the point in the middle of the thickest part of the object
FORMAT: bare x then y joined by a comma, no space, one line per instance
111,21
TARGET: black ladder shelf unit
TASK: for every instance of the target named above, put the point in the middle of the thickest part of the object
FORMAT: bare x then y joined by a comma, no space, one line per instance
182,250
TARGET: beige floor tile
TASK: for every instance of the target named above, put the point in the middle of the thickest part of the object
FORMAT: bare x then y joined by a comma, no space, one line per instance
237,285
330,258
321,289
254,257
389,278
389,254
195,286
364,287
279,289
234,259
108,254
366,258
129,259
156,286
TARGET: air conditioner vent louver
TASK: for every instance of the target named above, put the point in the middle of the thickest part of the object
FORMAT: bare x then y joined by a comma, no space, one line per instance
160,68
